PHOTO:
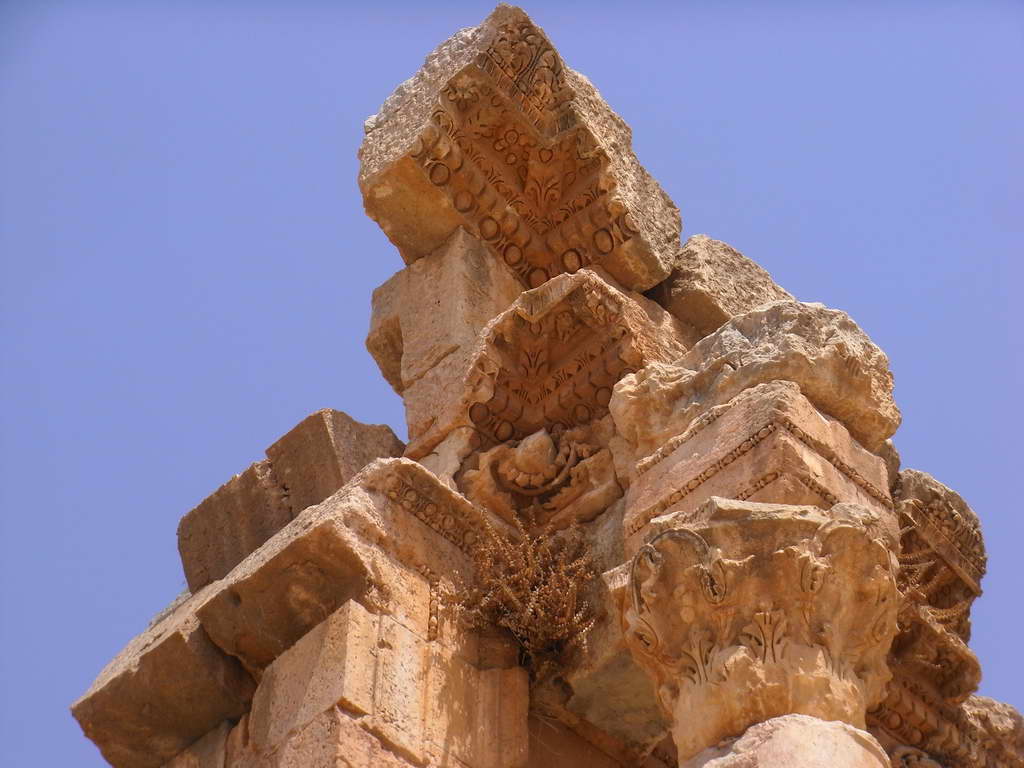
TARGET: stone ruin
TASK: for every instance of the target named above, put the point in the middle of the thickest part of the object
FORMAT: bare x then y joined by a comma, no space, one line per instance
649,513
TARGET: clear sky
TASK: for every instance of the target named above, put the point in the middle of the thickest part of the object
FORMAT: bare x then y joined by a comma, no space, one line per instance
186,268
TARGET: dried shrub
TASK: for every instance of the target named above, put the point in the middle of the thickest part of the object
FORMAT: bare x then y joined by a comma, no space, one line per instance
530,584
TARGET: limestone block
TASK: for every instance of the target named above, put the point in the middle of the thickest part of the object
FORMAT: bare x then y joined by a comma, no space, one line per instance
476,716
332,664
333,739
232,522
307,465
284,589
767,444
503,702
609,689
208,752
553,744
836,365
435,306
796,741
496,135
551,358
166,689
398,700
712,282
324,451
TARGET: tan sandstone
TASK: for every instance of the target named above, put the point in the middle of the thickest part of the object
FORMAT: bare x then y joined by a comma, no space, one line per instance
435,307
308,464
712,282
166,689
755,611
836,365
796,740
496,135
552,357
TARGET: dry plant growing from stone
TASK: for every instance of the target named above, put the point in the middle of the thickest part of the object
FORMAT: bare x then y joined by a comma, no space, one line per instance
530,584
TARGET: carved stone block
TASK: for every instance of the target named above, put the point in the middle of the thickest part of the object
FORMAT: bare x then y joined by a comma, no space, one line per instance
836,365
284,589
767,444
437,306
551,359
942,562
333,739
712,282
496,135
759,611
166,689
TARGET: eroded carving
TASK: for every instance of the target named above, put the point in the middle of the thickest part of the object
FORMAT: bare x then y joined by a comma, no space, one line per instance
760,611
515,147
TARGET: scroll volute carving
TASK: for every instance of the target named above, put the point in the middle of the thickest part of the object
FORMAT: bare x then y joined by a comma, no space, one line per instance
761,611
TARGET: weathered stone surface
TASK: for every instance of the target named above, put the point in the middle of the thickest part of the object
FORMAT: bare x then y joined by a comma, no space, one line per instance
333,739
436,306
1000,728
759,611
330,665
836,365
358,544
712,282
767,444
324,451
551,358
562,477
284,589
796,741
166,689
304,467
232,522
609,689
926,712
210,751
496,135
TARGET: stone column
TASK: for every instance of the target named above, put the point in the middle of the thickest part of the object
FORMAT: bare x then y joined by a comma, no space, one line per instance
749,612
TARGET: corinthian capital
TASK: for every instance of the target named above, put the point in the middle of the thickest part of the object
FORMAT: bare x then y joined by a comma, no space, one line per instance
753,611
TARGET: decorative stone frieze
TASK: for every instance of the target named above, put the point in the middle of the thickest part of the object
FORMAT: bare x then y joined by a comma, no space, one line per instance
760,611
549,361
496,135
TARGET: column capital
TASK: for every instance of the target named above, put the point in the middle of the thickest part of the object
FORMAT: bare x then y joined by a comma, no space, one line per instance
753,611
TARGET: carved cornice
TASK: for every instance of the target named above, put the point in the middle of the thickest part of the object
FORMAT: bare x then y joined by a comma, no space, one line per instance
552,359
763,610
420,494
745,446
505,146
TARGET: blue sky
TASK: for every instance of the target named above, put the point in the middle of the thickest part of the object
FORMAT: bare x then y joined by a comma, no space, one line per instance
186,268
